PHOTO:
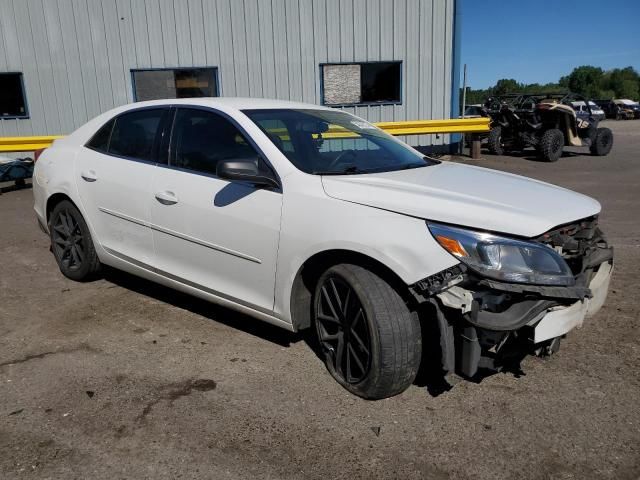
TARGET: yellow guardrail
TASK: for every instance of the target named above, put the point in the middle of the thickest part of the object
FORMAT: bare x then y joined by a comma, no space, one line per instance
26,144
412,127
422,127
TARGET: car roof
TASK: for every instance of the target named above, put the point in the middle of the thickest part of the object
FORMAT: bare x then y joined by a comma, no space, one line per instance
624,101
238,103
82,134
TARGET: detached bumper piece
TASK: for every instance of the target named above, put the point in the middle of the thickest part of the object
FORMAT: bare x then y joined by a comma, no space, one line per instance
489,323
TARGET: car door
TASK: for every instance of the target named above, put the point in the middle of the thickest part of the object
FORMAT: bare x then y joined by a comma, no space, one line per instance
216,235
113,173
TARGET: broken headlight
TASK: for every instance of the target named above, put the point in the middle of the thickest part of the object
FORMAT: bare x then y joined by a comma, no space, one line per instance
504,258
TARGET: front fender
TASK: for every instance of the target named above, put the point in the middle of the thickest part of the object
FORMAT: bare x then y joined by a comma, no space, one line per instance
313,223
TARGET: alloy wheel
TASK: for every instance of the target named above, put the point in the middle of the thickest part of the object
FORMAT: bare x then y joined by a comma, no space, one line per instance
343,330
68,240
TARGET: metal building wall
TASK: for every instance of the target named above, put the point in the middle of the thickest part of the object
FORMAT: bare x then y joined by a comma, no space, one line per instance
76,55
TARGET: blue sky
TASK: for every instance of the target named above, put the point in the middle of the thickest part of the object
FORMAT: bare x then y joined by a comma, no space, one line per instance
541,40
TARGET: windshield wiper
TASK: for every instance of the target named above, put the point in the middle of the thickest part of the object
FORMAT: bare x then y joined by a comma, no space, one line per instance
427,163
351,170
413,165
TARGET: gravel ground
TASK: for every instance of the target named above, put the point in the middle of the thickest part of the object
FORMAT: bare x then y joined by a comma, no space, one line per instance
120,378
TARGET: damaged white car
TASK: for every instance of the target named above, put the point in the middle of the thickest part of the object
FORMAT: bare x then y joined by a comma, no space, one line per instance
309,217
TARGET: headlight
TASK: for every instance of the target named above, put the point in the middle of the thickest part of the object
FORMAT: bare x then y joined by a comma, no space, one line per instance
504,258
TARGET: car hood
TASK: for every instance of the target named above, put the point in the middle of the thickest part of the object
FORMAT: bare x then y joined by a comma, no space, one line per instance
464,195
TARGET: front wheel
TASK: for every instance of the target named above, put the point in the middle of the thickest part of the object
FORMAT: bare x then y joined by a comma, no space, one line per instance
494,141
551,145
71,243
602,142
370,340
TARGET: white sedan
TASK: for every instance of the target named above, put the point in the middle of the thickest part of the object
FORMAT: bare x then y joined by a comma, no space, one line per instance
304,216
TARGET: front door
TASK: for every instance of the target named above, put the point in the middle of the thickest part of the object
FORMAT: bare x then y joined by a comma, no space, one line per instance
213,234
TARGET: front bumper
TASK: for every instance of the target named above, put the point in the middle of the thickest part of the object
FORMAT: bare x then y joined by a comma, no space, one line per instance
557,321
485,323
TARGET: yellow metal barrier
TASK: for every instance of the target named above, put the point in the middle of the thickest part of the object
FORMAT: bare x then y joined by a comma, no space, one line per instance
413,127
26,144
421,127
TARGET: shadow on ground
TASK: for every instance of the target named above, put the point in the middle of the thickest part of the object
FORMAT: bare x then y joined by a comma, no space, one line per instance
430,375
532,156
201,307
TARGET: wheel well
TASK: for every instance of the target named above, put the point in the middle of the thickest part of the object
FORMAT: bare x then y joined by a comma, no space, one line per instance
305,281
54,200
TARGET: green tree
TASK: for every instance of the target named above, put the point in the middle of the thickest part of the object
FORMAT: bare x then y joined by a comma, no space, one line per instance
624,82
592,82
506,85
585,80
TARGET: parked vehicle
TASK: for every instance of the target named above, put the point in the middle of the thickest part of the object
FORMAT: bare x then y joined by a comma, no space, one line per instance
546,122
613,110
474,111
584,111
631,108
309,217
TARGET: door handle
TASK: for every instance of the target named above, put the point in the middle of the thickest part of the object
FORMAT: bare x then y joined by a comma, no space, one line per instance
167,198
89,176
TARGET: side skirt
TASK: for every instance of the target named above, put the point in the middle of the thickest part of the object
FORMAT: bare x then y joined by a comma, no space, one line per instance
122,262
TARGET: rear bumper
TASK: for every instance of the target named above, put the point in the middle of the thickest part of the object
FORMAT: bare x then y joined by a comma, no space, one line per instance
558,321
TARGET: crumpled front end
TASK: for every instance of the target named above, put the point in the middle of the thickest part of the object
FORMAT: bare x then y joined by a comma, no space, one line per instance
484,323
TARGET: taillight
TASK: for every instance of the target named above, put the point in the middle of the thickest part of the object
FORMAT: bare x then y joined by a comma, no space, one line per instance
37,153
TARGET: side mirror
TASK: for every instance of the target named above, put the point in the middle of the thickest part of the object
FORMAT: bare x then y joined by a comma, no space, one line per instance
244,170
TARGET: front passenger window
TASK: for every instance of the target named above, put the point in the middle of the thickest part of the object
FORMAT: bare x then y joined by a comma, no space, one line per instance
202,138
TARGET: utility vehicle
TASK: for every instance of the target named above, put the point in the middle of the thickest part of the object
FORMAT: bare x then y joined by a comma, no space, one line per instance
546,122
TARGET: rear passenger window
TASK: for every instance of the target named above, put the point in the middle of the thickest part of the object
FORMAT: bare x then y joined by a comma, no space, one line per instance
201,139
100,140
134,133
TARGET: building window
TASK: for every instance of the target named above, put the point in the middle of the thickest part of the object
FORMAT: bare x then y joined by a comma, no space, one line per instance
174,83
361,83
13,103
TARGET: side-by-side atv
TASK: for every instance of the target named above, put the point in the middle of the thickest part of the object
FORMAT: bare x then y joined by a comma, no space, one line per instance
547,122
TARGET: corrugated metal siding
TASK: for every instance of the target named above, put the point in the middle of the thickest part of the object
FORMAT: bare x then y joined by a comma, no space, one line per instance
76,55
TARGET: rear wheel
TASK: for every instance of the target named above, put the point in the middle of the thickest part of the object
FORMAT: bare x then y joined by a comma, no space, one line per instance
71,243
494,141
551,145
602,142
370,340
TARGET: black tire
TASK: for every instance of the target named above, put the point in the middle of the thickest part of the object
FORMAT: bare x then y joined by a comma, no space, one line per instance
602,142
380,337
71,243
551,145
494,141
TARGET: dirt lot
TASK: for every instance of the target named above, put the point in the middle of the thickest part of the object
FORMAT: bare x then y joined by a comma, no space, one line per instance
120,378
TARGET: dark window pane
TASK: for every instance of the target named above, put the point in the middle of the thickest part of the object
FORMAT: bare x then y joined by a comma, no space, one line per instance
174,83
380,82
134,133
356,83
201,139
100,140
12,98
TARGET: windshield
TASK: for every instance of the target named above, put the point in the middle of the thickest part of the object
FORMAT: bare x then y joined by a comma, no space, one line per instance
326,142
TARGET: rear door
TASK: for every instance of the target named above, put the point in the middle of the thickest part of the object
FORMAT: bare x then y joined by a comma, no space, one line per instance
214,234
113,173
